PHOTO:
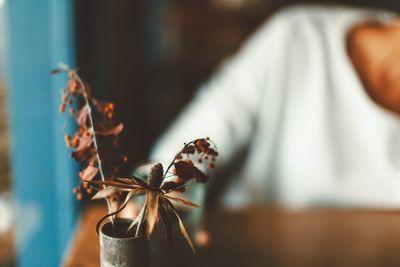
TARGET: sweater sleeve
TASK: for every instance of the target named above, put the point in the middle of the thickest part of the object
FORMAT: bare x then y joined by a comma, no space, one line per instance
225,108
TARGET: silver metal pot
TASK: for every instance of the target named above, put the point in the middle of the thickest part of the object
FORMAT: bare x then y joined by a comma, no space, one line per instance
120,250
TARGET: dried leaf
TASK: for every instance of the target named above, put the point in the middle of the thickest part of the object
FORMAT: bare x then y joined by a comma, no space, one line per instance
181,226
182,201
125,180
88,173
133,181
185,170
152,199
128,197
163,210
140,182
108,191
139,219
116,184
173,186
111,132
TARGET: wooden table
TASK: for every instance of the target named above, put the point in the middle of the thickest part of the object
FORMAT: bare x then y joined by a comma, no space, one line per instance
264,236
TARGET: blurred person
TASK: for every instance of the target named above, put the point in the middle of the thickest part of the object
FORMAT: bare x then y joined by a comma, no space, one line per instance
311,103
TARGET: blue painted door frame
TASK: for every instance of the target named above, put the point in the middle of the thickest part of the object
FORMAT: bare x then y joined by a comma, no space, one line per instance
40,35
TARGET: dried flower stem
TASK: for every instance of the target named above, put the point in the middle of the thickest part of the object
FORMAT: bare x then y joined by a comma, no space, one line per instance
176,157
94,138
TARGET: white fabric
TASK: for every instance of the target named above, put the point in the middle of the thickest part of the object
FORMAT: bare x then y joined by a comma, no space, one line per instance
292,97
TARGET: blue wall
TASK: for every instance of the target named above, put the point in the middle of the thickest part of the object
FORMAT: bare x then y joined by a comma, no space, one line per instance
39,37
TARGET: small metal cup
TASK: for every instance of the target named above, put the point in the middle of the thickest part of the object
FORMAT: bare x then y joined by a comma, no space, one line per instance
119,250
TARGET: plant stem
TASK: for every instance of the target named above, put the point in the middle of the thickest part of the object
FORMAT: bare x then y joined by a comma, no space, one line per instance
99,164
91,127
173,161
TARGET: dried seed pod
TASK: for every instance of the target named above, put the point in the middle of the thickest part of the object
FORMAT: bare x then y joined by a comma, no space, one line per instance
156,176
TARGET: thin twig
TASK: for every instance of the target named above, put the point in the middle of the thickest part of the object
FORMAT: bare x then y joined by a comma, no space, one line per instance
91,128
176,156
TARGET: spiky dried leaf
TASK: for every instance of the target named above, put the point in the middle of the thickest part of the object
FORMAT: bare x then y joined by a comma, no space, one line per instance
111,190
182,201
116,184
163,210
152,202
181,226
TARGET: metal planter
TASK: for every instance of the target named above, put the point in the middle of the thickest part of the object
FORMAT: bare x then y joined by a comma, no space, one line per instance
119,250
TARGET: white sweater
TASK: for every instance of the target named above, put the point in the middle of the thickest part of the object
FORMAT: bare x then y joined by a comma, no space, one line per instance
292,98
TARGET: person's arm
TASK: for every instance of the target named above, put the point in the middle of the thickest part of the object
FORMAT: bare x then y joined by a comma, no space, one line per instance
224,109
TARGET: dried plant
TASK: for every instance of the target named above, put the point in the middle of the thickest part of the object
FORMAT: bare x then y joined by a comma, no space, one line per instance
161,186
77,99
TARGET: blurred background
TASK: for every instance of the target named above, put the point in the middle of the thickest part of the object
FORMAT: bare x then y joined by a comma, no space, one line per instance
149,57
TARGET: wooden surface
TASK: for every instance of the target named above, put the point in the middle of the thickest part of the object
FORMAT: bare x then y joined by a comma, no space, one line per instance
271,237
